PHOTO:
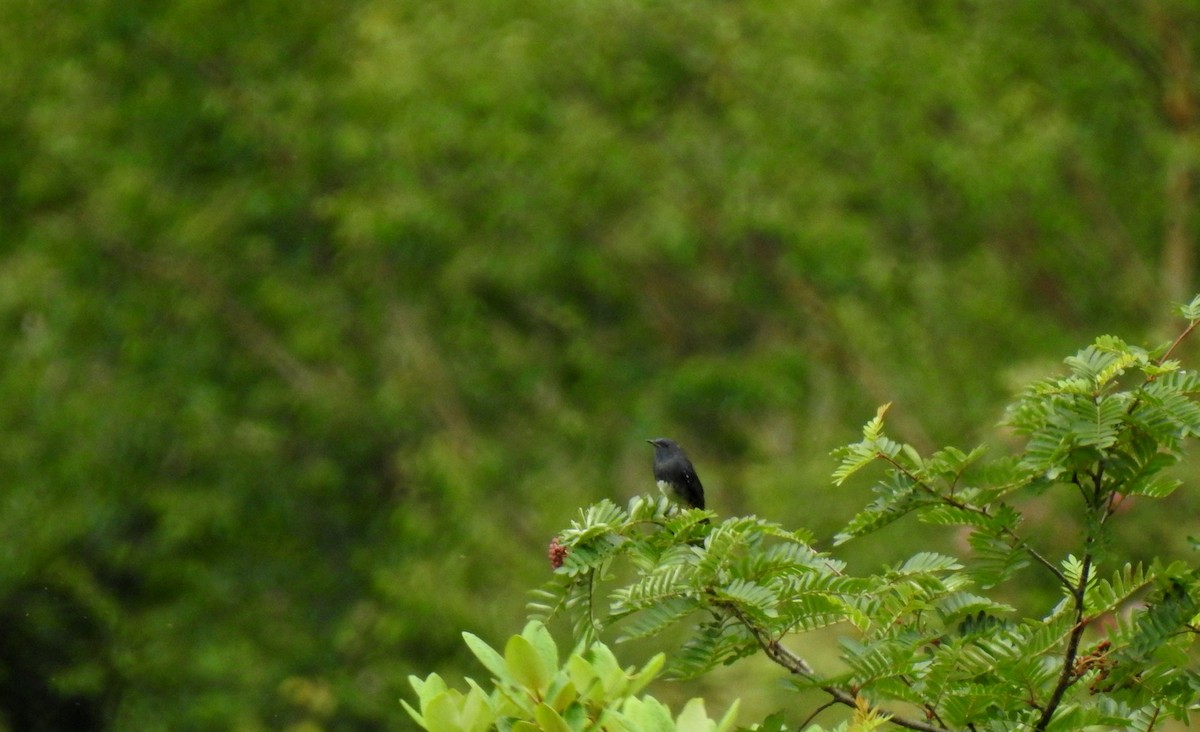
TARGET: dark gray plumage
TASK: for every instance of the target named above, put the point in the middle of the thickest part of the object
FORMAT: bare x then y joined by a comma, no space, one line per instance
676,477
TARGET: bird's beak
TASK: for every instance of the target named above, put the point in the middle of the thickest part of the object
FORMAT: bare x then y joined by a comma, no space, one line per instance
650,441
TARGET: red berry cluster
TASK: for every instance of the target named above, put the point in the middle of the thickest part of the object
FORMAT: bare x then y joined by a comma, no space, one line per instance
557,553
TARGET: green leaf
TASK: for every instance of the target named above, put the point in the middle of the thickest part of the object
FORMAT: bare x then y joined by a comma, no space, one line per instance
607,669
748,595
584,677
539,637
648,673
880,513
694,718
428,687
489,657
525,664
441,714
657,617
994,560
416,715
857,456
549,720
1191,311
1072,568
648,715
1097,422
729,719
924,562
958,605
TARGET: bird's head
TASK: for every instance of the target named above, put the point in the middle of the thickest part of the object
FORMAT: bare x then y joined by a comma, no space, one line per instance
662,443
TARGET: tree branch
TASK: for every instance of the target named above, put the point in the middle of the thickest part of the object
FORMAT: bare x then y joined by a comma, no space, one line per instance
1067,676
797,665
1019,543
1163,359
804,724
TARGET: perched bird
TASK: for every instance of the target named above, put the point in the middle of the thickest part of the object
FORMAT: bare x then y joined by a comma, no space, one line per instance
676,477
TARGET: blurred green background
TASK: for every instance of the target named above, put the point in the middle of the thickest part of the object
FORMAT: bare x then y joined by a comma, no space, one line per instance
319,319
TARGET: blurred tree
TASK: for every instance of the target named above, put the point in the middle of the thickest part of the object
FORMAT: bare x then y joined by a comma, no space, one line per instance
318,318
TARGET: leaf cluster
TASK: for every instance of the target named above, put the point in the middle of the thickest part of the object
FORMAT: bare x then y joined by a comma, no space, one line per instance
532,690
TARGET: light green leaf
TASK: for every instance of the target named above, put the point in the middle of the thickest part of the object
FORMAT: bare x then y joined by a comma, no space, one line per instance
649,715
694,718
536,633
427,688
584,677
549,720
923,562
647,674
525,664
730,719
488,656
441,714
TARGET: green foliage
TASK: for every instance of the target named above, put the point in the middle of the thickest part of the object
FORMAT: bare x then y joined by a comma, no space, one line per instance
1115,651
316,317
532,690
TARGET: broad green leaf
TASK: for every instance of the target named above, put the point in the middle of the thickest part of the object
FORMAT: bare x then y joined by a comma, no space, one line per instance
549,720
730,717
535,632
441,714
525,664
562,693
694,718
428,687
584,677
647,674
488,656
649,715
607,669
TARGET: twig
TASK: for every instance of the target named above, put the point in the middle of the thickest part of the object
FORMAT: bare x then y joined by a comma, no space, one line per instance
797,665
1154,719
1163,358
1019,543
1067,676
816,711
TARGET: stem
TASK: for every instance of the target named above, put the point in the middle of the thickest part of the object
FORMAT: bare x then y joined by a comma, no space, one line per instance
797,665
1098,508
1040,559
818,710
1019,543
1067,676
1153,719
1163,358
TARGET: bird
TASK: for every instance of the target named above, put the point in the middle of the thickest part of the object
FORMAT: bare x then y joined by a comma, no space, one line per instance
675,474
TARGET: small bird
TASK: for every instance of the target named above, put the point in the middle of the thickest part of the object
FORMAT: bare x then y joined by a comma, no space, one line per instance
676,477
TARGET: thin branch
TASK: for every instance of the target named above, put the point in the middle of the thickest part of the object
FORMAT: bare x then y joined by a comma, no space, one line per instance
797,665
1163,358
1153,719
818,710
1019,543
1022,544
1067,676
